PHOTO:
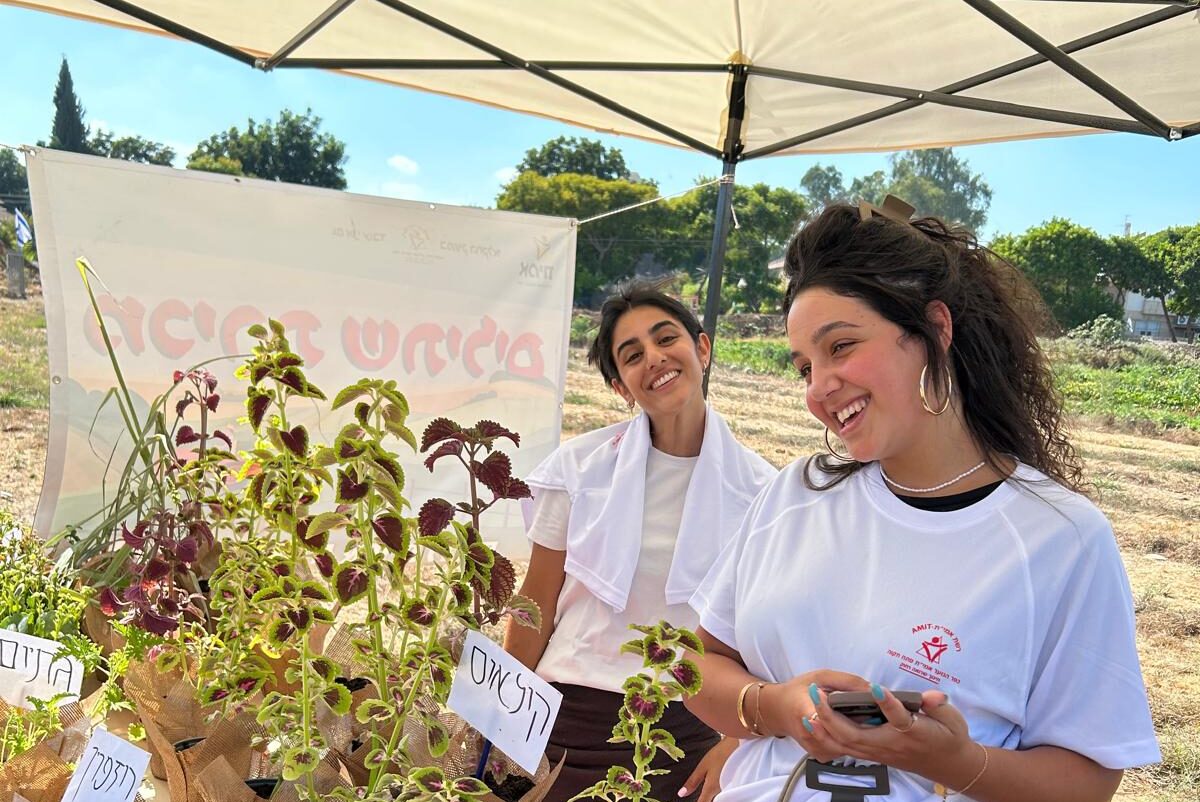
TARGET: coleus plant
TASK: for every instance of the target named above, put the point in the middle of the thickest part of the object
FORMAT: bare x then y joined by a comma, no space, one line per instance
266,589
471,584
418,577
667,675
158,589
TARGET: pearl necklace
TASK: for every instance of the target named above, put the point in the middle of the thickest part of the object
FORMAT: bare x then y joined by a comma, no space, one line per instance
899,486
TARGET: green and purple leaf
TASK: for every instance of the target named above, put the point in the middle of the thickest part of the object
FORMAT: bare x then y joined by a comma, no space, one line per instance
351,581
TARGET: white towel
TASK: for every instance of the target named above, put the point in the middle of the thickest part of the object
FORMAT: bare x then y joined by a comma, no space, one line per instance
604,473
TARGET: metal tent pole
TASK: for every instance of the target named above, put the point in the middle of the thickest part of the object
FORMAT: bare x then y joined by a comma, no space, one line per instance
730,154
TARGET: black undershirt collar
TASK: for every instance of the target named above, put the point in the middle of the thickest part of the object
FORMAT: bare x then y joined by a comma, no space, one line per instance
957,501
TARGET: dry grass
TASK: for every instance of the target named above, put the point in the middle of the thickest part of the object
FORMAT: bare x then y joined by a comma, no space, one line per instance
1146,485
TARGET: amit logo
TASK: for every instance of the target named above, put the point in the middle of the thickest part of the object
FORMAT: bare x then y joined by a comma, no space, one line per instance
417,237
537,271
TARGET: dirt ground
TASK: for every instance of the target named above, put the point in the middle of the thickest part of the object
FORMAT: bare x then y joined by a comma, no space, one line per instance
1147,487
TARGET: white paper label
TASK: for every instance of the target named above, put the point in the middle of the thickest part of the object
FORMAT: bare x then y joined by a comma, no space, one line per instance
28,669
111,770
513,707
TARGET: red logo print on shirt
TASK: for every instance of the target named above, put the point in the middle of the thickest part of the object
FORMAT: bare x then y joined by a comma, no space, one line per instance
932,646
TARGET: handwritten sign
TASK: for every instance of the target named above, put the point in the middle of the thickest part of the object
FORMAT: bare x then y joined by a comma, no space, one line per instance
111,770
513,707
29,669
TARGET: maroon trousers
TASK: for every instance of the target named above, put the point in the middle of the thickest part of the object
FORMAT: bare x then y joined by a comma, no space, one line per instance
584,725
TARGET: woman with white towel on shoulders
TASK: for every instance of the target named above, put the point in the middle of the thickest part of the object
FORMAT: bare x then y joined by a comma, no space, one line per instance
625,522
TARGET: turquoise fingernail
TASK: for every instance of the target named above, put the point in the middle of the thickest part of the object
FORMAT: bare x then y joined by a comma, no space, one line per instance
807,724
877,691
814,694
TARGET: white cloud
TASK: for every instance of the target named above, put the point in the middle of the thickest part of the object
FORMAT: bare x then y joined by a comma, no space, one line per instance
403,165
400,189
505,174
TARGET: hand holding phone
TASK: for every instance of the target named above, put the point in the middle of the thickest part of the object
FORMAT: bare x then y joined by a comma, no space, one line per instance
862,708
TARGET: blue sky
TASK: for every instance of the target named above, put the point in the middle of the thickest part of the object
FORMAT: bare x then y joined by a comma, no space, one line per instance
425,147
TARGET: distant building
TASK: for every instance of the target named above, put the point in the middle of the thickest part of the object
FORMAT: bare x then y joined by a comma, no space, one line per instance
1144,318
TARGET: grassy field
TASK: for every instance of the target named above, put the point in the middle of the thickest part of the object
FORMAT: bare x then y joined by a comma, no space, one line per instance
1140,448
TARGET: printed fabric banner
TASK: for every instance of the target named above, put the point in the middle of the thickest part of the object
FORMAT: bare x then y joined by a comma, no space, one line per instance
467,309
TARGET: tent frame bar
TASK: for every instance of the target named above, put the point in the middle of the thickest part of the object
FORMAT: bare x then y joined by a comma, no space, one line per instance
489,64
1083,42
182,31
961,101
304,35
1075,69
546,75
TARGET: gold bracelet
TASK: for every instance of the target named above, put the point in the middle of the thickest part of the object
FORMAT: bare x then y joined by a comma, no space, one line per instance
741,707
758,708
945,792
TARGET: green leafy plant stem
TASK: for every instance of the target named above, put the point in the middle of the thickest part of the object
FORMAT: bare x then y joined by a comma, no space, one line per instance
371,560
306,655
411,699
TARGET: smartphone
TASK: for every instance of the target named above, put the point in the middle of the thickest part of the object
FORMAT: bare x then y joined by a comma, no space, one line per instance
861,707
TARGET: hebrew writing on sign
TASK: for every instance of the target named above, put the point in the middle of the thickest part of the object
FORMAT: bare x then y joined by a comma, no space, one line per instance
467,309
111,770
31,669
513,707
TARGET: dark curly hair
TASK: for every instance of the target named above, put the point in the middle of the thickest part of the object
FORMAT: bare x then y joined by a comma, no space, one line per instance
1009,401
628,296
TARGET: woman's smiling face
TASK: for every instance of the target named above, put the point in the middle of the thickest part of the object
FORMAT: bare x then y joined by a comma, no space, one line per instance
659,365
861,373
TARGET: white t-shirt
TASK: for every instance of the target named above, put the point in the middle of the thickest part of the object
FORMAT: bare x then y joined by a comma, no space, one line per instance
1017,606
585,648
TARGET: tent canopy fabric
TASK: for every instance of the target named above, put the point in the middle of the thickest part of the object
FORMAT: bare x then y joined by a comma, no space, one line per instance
738,79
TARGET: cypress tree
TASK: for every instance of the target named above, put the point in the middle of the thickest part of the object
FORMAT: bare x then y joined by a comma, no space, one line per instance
69,132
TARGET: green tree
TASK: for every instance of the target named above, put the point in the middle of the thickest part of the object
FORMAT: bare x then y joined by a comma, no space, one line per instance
823,185
14,183
571,155
1178,250
1136,265
69,131
131,148
609,248
935,181
292,150
767,218
1064,260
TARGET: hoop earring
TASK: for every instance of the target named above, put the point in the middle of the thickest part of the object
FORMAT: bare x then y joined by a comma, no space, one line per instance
829,448
949,391
632,406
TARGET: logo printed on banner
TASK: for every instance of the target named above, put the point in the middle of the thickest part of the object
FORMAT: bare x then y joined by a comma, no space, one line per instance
418,237
538,272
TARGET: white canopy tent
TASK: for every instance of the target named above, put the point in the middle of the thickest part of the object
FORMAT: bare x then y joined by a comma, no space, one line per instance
737,79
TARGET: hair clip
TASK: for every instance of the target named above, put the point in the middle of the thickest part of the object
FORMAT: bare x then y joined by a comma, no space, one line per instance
893,208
